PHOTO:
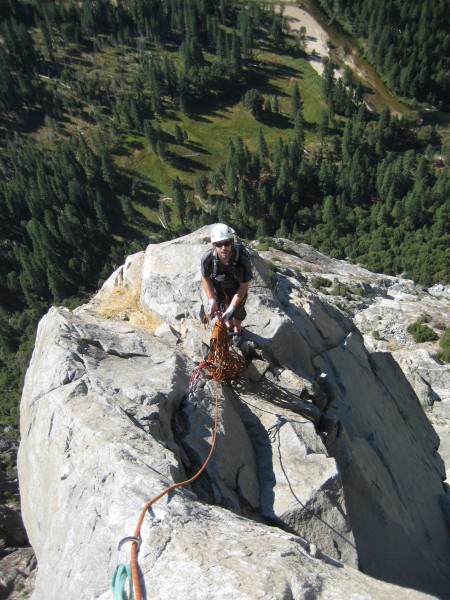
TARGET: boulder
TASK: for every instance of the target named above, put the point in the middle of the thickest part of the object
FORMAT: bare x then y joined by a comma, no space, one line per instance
301,497
383,440
17,574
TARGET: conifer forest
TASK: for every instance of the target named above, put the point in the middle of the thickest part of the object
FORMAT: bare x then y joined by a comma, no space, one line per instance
128,122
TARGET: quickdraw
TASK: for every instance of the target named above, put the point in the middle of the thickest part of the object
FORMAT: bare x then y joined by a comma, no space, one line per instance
224,364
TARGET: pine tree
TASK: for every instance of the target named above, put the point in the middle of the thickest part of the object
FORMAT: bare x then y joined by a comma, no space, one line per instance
297,104
57,285
220,45
276,31
327,178
235,56
253,101
263,151
323,127
223,11
329,213
231,170
348,146
101,214
329,83
107,167
262,230
243,200
282,231
179,199
246,31
299,129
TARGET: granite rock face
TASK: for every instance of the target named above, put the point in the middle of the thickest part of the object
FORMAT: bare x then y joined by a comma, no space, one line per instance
325,474
382,307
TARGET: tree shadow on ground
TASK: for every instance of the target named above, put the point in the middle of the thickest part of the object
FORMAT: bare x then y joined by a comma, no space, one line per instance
200,118
186,163
273,119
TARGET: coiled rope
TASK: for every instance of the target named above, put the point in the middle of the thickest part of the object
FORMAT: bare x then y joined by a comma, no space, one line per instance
224,364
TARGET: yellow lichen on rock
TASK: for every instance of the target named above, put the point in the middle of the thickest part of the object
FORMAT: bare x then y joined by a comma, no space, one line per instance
122,304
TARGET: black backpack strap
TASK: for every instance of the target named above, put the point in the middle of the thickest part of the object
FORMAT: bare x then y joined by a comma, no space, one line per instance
237,254
215,265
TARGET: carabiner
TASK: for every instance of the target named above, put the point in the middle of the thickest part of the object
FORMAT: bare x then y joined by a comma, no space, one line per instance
129,538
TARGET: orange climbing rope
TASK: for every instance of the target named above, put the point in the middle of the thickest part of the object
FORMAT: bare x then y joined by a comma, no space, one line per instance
224,364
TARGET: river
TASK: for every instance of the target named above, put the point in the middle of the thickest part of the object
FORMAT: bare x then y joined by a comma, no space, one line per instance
344,51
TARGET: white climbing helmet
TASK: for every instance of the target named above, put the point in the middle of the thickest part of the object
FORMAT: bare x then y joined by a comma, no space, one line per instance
221,232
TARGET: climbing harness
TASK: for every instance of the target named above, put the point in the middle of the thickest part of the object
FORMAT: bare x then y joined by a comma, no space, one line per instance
224,364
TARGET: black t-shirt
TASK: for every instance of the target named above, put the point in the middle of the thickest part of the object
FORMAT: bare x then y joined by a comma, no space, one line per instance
227,276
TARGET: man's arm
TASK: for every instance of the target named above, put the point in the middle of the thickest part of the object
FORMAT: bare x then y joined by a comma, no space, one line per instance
208,287
240,294
210,294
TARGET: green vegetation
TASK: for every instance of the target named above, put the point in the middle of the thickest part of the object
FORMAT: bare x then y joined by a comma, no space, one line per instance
271,267
7,465
444,343
16,344
124,123
408,42
341,289
319,282
422,333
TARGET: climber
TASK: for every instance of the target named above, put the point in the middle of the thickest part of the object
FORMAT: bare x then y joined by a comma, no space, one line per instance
226,273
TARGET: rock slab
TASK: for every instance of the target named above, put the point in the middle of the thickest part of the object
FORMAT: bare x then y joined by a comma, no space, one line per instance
294,497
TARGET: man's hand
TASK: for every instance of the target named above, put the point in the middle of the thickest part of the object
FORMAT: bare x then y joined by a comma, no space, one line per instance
226,316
